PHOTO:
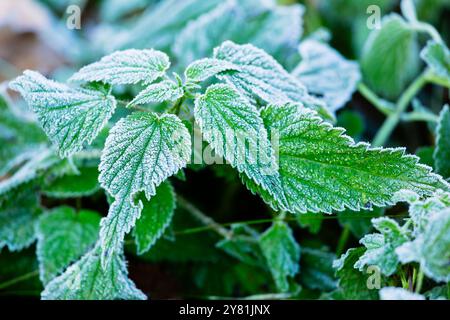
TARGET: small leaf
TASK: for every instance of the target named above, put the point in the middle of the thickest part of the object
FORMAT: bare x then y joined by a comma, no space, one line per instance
85,280
261,77
70,117
437,57
282,253
203,69
75,185
390,57
155,217
63,237
317,269
125,67
326,74
442,152
166,90
142,151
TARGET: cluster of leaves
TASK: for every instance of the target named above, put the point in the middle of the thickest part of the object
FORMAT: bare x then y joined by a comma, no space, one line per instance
130,150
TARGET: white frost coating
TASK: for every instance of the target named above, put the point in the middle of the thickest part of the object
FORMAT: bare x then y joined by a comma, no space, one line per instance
85,280
166,90
70,117
224,116
392,293
126,67
327,74
141,151
203,69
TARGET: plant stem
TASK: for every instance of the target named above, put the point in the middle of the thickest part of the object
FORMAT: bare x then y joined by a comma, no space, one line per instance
203,218
18,279
420,116
383,106
342,242
392,120
419,281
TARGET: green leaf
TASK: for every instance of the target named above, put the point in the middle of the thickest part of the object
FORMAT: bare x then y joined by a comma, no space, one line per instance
125,67
437,57
317,269
142,151
381,246
203,69
326,74
70,117
63,237
155,217
85,280
19,212
442,152
166,90
261,77
392,293
390,57
281,252
85,183
322,170
352,283
235,131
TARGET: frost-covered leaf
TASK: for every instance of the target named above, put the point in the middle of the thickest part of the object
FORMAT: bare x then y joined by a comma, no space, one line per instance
235,131
442,152
203,69
141,151
70,117
437,57
392,293
323,170
126,67
276,29
282,253
261,77
431,248
326,74
155,217
166,90
85,280
85,183
381,246
19,212
352,283
158,26
317,271
63,237
390,57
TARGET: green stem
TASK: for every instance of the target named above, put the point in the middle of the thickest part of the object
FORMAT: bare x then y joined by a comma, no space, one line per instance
420,277
18,279
342,242
385,107
392,120
420,116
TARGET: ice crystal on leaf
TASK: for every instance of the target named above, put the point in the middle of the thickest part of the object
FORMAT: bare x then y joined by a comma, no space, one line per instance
442,152
70,117
203,69
166,90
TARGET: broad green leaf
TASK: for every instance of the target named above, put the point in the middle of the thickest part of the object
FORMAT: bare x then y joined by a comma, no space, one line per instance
390,57
166,90
326,74
19,211
381,246
321,169
437,57
235,131
70,117
142,151
352,283
317,271
203,69
261,77
63,237
85,183
442,152
85,280
392,293
125,67
282,253
155,217
158,26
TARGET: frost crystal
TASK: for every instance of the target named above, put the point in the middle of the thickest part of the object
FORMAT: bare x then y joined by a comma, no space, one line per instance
166,90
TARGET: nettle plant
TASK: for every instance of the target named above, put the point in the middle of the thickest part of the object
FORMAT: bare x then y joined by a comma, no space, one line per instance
274,127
